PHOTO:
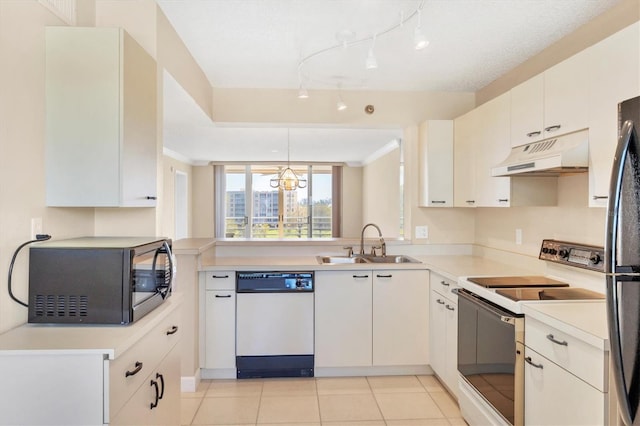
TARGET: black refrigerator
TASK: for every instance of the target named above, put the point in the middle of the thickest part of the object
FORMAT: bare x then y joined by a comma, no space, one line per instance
622,262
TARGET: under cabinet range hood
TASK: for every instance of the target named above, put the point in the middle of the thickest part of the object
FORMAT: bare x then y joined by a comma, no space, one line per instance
550,157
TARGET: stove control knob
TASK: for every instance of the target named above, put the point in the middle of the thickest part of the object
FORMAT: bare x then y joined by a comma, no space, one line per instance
545,250
564,253
595,258
553,252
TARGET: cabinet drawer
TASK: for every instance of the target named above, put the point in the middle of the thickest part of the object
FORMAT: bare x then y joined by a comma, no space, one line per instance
581,359
443,285
220,280
148,352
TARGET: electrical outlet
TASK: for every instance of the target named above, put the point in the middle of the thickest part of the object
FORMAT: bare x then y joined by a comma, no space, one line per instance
36,227
422,232
518,236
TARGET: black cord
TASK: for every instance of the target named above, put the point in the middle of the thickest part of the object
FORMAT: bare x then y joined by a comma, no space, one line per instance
39,237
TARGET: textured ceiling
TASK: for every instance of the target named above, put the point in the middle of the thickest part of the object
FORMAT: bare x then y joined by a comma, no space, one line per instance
261,44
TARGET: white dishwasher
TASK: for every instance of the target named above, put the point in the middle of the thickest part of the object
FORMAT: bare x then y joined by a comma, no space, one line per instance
274,324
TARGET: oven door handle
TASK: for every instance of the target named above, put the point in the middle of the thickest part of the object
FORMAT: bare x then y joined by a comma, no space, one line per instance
504,316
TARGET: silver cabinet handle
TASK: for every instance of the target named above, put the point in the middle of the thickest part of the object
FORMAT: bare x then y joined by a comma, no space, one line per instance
600,197
552,128
449,307
557,342
361,276
444,283
384,276
219,276
503,200
470,201
532,134
533,364
440,302
438,202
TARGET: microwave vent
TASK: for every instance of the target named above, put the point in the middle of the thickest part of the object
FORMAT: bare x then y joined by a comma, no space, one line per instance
543,146
57,305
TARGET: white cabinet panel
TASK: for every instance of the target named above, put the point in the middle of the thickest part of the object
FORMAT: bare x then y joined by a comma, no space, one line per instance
436,163
343,325
220,329
443,330
527,105
464,159
614,76
555,397
101,127
400,317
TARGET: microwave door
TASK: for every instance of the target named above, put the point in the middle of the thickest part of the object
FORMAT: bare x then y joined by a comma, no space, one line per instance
622,264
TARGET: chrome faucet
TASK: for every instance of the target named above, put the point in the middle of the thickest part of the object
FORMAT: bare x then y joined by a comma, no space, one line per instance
383,245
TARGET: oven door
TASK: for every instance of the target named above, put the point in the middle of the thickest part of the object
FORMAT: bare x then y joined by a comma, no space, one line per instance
488,357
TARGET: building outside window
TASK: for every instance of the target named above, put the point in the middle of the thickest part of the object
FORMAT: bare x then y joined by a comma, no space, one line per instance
248,207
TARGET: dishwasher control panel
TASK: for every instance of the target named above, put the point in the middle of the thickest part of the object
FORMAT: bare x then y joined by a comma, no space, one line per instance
273,282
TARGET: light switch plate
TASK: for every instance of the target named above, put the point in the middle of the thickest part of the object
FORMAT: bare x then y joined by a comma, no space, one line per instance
422,232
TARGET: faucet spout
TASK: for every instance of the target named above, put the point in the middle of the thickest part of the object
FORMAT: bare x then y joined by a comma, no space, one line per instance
384,245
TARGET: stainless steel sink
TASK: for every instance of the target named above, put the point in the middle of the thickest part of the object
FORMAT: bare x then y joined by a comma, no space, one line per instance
340,259
400,258
333,260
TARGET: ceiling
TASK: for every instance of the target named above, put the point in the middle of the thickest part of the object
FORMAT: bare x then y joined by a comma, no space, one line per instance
281,44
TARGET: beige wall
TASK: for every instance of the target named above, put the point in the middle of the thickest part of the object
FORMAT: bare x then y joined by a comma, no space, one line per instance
203,202
571,220
381,197
22,137
351,217
170,166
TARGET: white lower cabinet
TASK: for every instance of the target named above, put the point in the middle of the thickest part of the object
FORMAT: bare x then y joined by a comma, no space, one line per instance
220,329
370,318
443,331
400,318
554,396
566,378
343,327
93,375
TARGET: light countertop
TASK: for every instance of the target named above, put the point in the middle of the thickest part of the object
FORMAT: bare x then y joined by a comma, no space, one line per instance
109,340
586,320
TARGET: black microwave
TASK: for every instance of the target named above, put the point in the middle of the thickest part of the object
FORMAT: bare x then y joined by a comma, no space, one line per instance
98,280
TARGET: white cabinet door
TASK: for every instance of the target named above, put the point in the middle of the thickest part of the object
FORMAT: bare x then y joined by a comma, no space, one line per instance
614,76
566,96
400,317
464,159
436,163
527,103
437,333
220,329
492,148
553,396
343,326
157,401
443,331
101,119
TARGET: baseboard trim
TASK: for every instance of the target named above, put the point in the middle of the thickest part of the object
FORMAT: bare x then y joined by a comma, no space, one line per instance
190,383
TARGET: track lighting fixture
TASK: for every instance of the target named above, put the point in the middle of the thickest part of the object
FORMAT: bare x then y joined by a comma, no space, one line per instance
419,39
372,62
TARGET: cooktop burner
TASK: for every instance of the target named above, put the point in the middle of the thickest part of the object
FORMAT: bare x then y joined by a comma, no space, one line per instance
512,282
572,293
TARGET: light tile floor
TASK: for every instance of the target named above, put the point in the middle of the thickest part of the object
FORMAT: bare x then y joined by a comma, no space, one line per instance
340,401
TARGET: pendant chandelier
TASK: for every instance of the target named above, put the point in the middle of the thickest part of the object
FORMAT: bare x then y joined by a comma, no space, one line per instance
288,180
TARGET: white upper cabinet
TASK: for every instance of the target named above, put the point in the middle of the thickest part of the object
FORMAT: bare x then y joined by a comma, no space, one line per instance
464,160
614,76
101,147
436,163
551,103
492,147
527,104
566,95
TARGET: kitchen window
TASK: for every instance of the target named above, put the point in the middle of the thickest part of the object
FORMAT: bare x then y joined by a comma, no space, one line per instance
248,207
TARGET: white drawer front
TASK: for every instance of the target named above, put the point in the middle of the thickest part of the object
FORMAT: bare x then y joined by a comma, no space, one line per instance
148,351
220,280
443,285
585,361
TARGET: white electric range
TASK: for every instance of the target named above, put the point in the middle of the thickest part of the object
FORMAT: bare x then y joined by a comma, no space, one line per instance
491,331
